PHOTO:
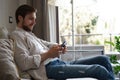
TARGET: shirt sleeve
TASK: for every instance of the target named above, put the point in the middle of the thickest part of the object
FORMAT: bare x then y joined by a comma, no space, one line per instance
48,44
23,57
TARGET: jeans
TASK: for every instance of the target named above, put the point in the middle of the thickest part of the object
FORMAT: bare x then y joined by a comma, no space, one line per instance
98,67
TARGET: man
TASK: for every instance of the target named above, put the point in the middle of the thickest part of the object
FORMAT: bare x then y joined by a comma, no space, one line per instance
39,58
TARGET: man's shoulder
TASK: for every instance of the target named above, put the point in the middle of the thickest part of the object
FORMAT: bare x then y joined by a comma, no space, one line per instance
16,32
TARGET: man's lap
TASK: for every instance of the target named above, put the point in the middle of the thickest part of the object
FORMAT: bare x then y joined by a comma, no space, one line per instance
66,70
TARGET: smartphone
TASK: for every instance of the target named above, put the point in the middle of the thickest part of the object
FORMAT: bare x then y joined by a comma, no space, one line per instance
63,44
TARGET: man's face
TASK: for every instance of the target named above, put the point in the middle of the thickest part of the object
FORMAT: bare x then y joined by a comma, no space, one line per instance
29,21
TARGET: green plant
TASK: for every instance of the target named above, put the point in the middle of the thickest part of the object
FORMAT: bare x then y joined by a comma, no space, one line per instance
115,44
94,21
116,65
113,58
88,27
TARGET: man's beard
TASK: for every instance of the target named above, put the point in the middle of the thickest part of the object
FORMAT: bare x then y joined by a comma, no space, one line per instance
26,28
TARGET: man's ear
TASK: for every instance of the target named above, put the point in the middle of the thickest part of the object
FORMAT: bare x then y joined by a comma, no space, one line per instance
20,18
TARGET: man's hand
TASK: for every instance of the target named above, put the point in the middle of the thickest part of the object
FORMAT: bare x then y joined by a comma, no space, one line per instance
56,50
53,52
63,49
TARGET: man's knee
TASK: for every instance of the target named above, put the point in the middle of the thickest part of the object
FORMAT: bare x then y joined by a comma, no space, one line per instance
99,67
103,58
100,72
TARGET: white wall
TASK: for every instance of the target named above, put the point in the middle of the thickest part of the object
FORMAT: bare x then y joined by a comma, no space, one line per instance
8,8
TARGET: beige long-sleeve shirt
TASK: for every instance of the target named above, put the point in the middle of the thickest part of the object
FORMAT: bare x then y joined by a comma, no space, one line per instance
27,53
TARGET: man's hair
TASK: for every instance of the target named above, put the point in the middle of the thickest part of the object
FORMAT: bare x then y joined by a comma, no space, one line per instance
23,10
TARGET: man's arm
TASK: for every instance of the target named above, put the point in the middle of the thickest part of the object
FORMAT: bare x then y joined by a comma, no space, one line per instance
53,52
48,44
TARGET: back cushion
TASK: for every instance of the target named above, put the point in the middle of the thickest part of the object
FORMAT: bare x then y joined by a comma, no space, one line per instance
8,69
3,33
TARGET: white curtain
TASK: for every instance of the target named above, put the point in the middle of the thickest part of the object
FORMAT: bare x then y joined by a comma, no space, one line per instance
52,22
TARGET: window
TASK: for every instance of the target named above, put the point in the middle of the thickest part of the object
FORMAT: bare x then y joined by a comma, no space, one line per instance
88,21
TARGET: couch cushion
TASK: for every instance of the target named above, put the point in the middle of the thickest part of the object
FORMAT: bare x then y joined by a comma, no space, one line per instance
6,49
8,69
3,33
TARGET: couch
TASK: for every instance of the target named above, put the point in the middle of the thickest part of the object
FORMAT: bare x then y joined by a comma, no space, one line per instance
8,67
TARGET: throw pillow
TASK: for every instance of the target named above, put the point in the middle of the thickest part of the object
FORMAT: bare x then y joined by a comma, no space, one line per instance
8,69
3,33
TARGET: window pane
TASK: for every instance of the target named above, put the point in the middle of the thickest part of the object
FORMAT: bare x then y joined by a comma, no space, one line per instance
94,22
65,23
85,20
